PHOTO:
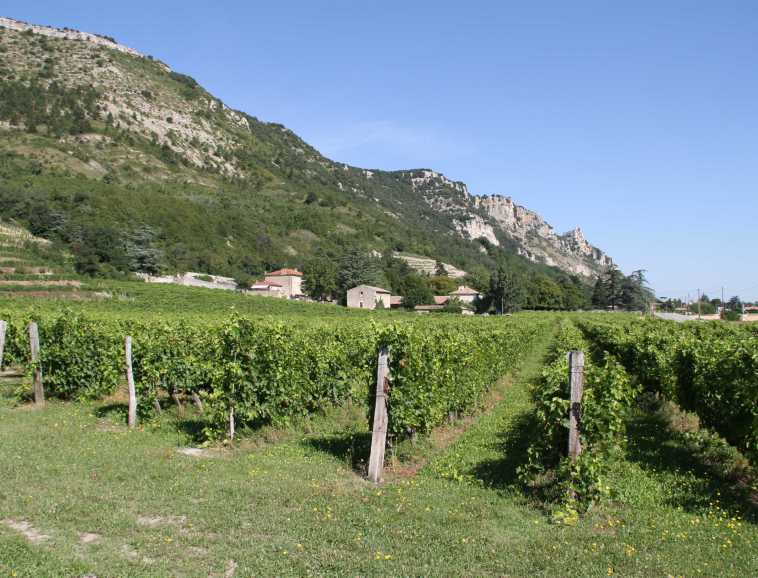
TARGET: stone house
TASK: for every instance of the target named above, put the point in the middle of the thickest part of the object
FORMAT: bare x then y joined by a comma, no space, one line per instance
367,297
290,280
267,289
465,294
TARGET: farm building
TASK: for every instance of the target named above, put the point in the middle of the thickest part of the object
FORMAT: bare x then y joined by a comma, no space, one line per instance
368,297
396,301
267,289
290,280
465,294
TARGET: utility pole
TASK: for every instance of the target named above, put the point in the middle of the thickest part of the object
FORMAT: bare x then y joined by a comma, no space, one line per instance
698,304
723,307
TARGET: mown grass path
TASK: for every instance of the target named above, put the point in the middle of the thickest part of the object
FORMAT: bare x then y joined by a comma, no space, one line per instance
80,495
491,450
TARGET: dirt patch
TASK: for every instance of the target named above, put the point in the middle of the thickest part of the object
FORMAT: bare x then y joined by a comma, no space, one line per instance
25,528
88,538
129,552
156,521
198,452
133,556
110,427
228,572
196,552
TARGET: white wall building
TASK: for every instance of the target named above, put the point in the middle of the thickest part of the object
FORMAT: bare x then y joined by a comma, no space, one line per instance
267,289
291,281
367,297
465,294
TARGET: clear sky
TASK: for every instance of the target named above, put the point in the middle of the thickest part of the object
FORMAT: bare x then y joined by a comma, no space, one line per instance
638,122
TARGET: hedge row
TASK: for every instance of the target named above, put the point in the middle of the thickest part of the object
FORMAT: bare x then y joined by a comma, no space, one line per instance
710,369
271,371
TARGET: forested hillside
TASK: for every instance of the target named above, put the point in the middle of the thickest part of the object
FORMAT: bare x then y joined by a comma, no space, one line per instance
135,167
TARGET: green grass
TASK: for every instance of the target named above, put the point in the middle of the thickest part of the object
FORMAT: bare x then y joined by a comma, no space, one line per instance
291,503
138,300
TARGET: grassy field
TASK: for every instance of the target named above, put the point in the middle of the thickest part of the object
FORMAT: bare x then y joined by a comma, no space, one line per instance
81,495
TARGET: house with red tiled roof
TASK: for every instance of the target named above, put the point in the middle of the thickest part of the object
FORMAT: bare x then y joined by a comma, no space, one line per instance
291,281
396,301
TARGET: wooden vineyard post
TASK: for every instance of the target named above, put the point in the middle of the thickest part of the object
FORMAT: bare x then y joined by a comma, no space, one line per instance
3,327
39,390
379,435
132,419
198,402
576,381
231,423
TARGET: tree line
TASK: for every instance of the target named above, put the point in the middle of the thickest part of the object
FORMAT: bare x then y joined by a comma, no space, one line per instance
507,288
613,290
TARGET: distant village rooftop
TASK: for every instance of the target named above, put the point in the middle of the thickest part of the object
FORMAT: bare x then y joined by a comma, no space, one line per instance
371,287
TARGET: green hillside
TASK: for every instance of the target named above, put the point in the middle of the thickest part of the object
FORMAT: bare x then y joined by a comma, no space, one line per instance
137,168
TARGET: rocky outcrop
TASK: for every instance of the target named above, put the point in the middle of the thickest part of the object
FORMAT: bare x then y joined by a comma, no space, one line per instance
537,240
498,219
69,34
477,228
428,266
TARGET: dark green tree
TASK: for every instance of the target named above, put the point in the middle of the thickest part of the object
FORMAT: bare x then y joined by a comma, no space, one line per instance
358,268
636,295
415,291
507,291
320,278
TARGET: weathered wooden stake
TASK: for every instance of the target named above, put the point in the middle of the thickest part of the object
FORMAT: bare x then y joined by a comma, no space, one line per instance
198,401
231,423
132,419
379,435
3,327
39,390
576,381
177,400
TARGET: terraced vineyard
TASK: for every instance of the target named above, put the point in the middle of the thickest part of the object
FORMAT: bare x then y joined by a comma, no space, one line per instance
31,267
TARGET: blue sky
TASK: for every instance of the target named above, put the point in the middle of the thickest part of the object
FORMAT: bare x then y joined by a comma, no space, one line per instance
638,122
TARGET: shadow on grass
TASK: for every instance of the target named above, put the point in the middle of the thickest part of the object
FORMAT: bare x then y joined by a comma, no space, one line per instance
655,445
113,411
512,444
192,427
351,448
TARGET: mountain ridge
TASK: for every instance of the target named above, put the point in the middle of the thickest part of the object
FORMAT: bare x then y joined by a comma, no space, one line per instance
162,127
